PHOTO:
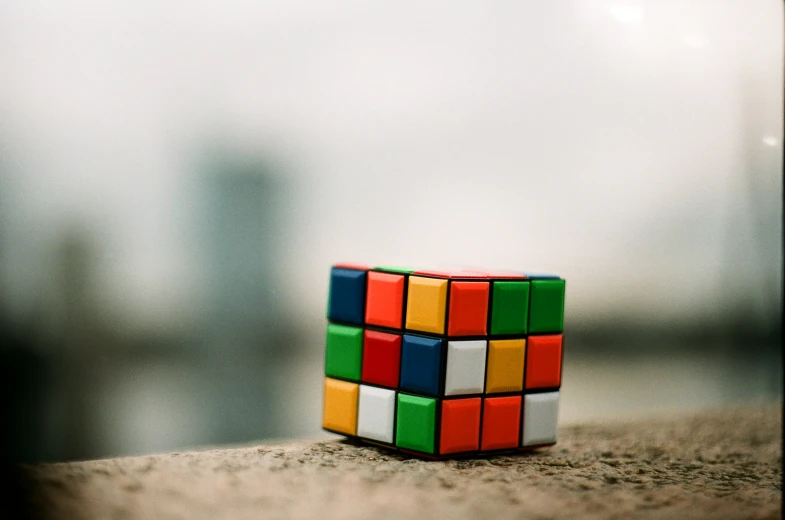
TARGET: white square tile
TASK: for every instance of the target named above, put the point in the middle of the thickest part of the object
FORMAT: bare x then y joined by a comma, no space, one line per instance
376,414
540,418
465,367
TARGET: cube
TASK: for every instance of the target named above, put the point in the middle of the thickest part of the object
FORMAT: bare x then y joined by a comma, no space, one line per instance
444,363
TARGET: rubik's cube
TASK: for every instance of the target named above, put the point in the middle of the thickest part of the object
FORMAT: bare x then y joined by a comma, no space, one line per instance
443,363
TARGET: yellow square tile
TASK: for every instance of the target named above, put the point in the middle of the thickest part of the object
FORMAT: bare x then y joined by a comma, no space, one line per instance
426,303
505,365
340,406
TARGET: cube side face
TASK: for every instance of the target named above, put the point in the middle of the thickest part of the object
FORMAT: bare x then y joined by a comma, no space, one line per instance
444,364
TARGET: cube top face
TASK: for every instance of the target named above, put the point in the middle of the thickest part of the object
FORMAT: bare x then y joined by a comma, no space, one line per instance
451,304
394,269
443,363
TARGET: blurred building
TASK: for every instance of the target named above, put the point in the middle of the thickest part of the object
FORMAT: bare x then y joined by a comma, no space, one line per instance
247,337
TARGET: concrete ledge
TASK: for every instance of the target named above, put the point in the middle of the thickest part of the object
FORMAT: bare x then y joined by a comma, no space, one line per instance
724,464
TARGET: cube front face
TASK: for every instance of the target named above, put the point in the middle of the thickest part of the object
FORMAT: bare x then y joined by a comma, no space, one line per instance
444,363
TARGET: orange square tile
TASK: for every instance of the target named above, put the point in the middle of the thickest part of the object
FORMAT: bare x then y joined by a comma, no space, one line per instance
501,422
340,406
384,300
426,305
543,361
468,309
460,428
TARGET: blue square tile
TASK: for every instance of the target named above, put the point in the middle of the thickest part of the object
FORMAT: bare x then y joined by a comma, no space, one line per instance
347,296
420,364
541,276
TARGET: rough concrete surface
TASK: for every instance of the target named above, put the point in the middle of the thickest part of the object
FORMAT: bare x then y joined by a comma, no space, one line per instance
724,464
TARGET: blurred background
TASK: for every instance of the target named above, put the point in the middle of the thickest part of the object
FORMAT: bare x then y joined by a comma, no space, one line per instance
177,178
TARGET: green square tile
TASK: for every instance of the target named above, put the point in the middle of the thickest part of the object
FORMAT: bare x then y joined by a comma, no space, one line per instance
416,423
510,307
391,269
546,312
344,352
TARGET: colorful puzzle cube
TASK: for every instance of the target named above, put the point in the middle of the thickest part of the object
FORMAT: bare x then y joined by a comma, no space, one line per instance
443,363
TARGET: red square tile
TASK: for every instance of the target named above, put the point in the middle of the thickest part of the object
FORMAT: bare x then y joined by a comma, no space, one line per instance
358,267
501,422
460,428
381,358
543,361
468,309
384,300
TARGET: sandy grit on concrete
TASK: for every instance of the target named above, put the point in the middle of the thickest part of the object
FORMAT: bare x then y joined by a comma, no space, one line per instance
724,464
